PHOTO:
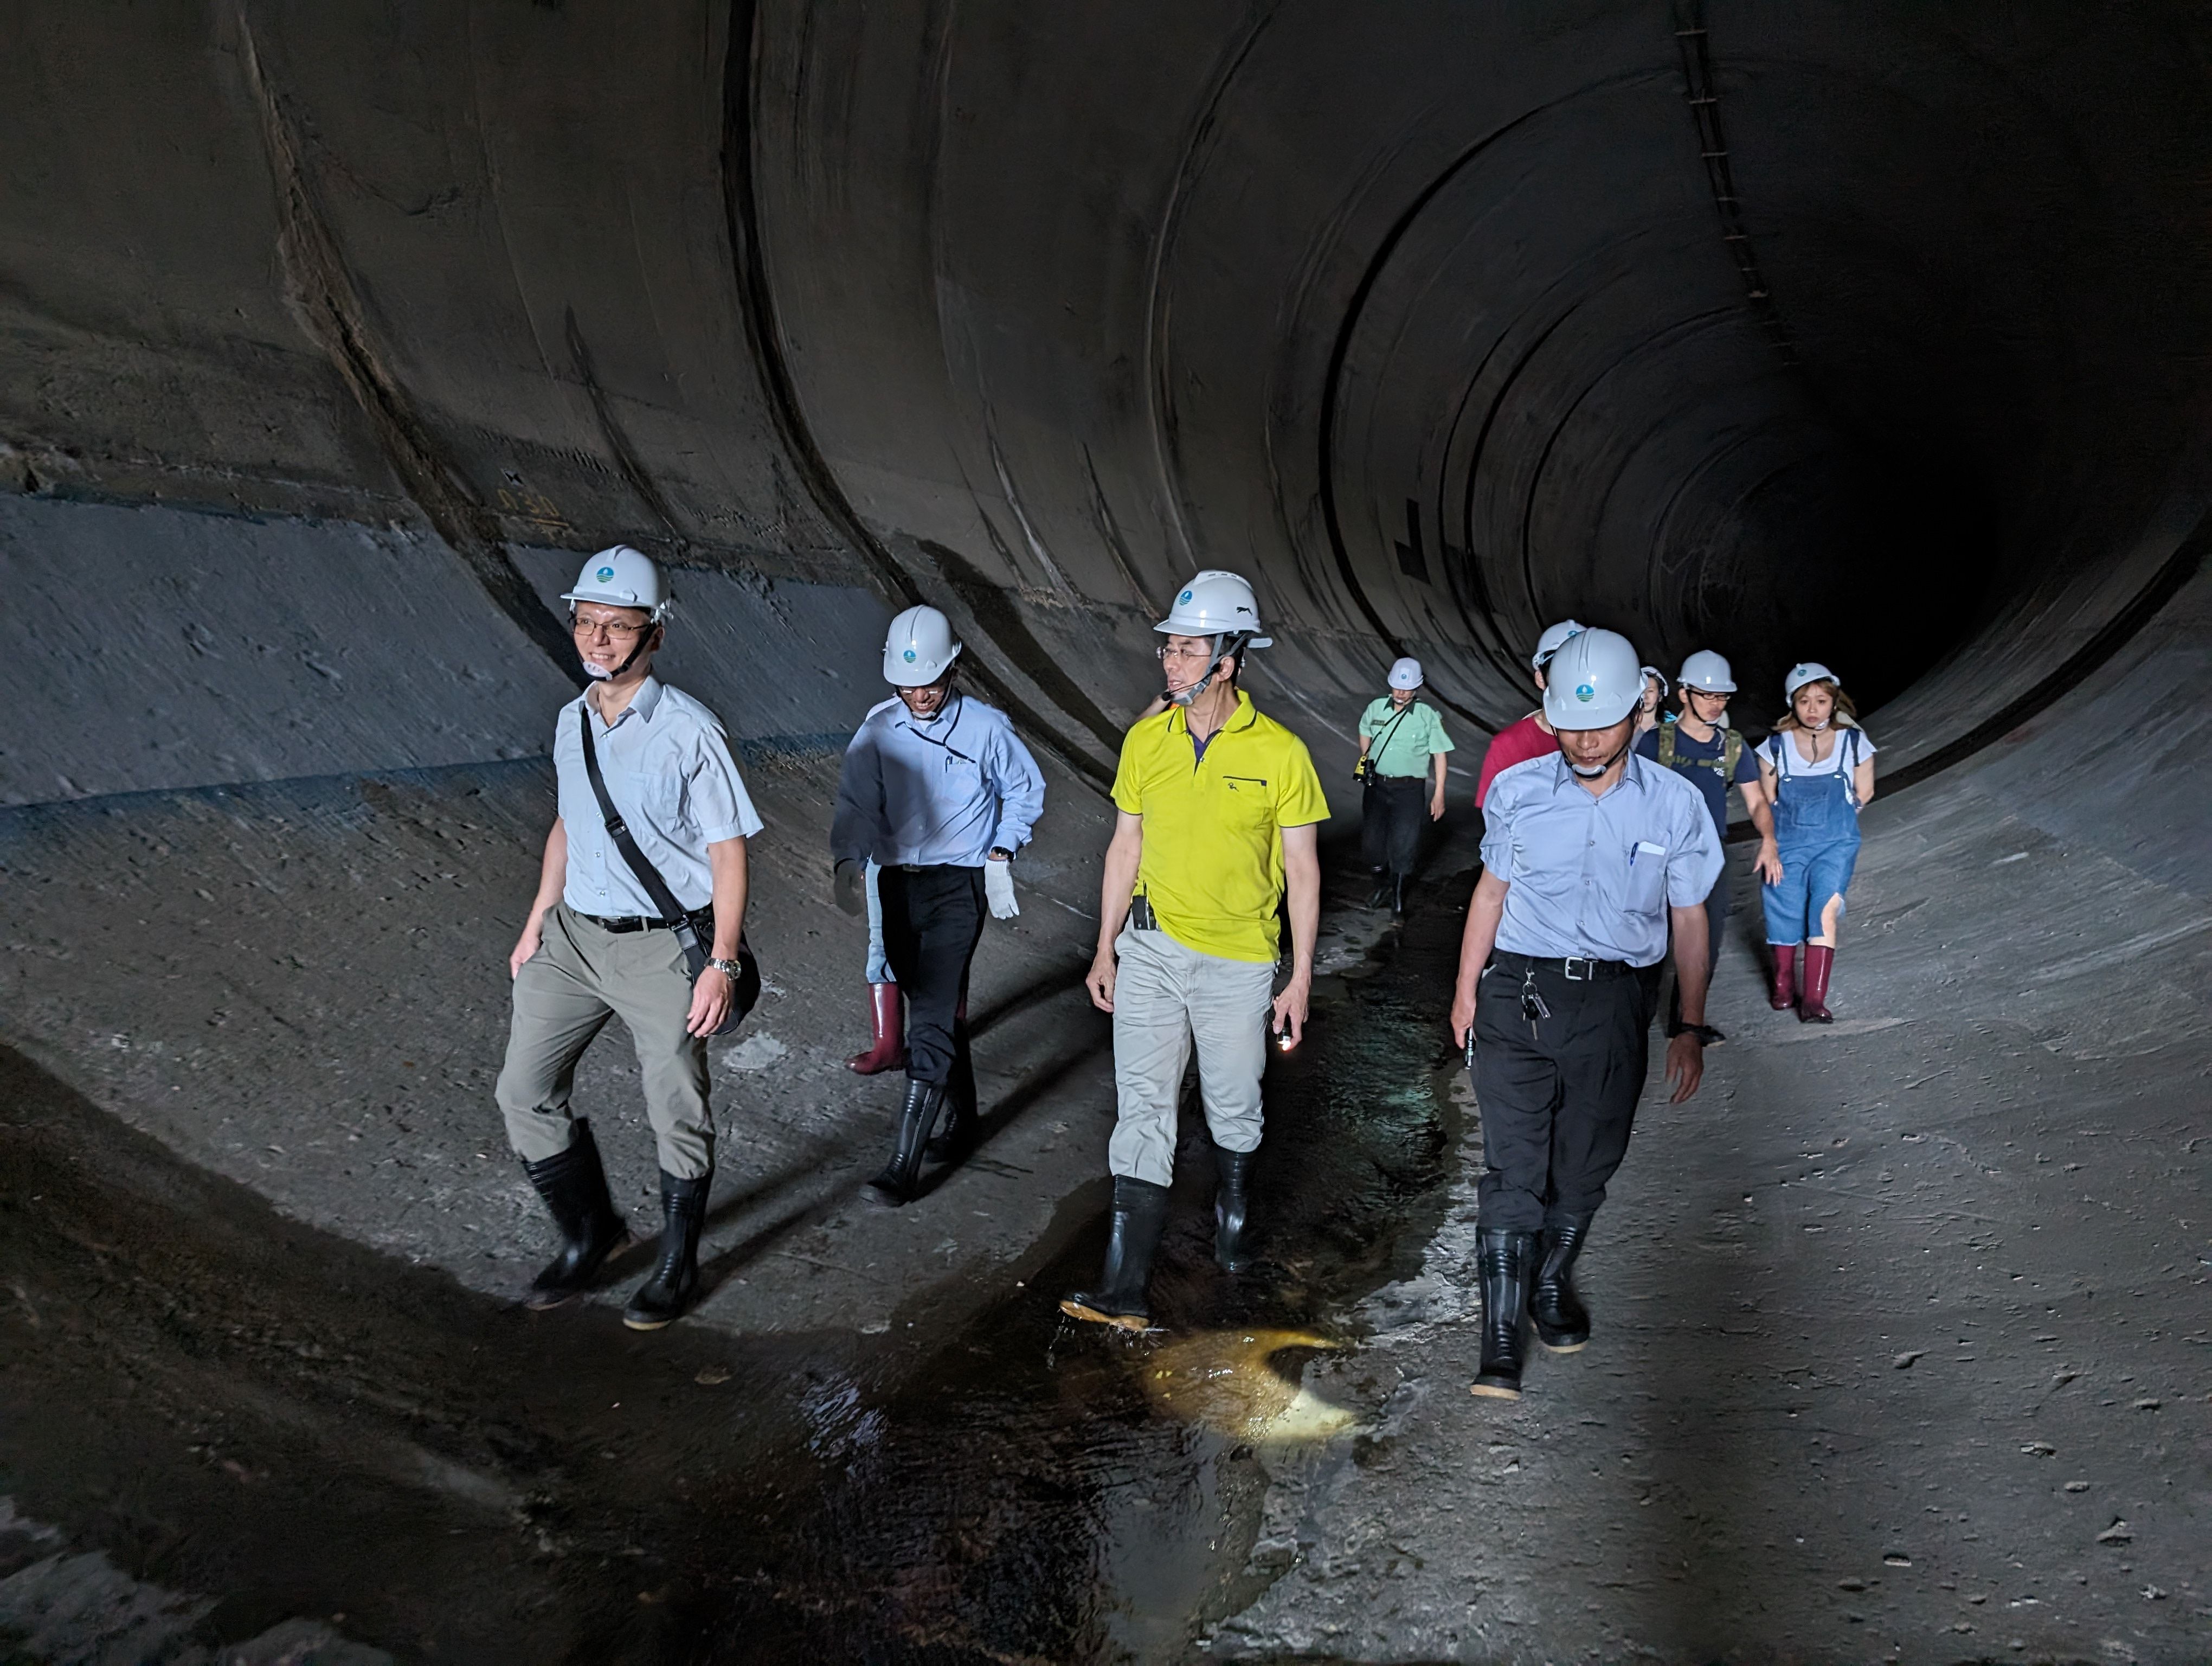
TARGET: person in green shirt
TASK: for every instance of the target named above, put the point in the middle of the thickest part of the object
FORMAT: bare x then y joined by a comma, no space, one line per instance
1402,747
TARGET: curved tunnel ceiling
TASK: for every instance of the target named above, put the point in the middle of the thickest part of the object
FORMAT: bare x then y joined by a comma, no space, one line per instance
1874,333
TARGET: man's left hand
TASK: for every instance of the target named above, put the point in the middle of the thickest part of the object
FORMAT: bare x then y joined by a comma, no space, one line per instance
1436,808
1685,1066
711,996
1290,1008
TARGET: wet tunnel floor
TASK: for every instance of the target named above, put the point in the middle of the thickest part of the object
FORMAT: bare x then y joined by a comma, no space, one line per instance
229,1401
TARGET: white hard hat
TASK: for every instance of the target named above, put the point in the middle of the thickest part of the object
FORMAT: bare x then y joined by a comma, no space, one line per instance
623,577
1652,672
1406,674
920,647
1808,671
1557,637
1215,604
1707,673
1593,682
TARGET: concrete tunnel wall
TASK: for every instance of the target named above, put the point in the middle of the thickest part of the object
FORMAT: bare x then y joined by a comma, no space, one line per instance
1866,332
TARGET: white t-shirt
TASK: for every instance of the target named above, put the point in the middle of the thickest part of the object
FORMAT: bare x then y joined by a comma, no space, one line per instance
1783,753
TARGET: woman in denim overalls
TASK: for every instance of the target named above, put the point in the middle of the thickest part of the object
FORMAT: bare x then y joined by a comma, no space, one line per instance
1818,770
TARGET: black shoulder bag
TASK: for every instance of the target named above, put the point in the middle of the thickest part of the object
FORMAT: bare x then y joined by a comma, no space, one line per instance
695,933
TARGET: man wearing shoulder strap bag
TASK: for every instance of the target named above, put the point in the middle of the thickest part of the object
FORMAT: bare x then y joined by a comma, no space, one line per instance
1701,748
1402,747
640,914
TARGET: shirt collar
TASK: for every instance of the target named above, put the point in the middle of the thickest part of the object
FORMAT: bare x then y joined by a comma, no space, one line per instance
642,702
1244,717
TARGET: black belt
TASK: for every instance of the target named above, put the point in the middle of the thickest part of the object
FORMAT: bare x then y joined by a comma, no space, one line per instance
1576,968
641,922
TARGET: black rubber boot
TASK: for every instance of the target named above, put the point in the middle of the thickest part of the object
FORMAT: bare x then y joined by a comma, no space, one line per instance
1562,1322
1232,1209
1141,1212
662,1298
1398,884
574,1187
1381,894
895,1185
1504,1262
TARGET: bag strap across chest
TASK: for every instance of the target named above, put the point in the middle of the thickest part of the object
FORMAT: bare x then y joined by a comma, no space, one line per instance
1724,765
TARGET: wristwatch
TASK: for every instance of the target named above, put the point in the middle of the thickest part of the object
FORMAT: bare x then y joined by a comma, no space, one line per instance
1706,1033
999,853
732,969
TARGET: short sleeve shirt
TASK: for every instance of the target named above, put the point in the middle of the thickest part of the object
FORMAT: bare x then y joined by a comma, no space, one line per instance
1698,763
1517,742
1213,863
1594,877
668,768
1413,737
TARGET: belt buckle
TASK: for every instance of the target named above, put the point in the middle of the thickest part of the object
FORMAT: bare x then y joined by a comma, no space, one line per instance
1588,969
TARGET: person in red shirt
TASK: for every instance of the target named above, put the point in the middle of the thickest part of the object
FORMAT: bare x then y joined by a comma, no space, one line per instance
1532,737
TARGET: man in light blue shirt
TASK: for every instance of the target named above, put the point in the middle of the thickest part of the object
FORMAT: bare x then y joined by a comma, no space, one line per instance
596,945
938,789
1590,853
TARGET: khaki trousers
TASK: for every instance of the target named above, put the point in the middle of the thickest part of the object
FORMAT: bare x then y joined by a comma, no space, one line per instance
1166,997
582,975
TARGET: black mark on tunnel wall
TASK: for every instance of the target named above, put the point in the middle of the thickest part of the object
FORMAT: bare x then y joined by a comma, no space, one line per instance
631,466
995,611
756,307
318,287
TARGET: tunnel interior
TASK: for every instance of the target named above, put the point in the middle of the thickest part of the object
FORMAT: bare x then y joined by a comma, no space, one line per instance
333,334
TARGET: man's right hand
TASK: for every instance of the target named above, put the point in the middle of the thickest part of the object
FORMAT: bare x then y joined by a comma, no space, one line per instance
1100,982
533,934
850,885
1462,1016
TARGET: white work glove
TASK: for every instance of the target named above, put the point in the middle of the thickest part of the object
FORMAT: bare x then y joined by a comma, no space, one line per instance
851,885
998,888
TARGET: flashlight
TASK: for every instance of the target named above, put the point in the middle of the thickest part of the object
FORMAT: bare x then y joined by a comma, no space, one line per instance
1283,1041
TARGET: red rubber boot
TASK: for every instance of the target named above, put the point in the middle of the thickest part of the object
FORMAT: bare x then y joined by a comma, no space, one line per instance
1814,1007
889,1052
1783,995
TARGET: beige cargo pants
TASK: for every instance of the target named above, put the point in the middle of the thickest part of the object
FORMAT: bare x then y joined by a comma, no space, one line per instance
582,975
1166,998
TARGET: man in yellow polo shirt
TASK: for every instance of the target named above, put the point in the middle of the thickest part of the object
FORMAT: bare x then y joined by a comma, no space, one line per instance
1218,812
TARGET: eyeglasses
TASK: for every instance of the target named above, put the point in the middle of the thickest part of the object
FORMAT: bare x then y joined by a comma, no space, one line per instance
1200,654
619,630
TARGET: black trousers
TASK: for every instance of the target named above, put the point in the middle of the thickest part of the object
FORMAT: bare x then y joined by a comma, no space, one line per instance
1557,1096
933,920
1392,813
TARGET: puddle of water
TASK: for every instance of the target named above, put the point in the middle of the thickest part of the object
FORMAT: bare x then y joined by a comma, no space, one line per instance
1047,1490
1226,1381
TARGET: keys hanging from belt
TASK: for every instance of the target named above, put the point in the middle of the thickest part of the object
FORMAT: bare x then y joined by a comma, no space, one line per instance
1531,1003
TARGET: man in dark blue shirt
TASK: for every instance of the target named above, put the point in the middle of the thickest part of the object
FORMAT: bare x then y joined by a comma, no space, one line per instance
1700,747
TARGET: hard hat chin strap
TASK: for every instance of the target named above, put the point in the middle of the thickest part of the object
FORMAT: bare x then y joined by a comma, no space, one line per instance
1231,644
1592,772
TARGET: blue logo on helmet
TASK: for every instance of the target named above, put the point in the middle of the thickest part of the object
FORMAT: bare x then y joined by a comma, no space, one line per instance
1183,598
605,573
909,656
1585,693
